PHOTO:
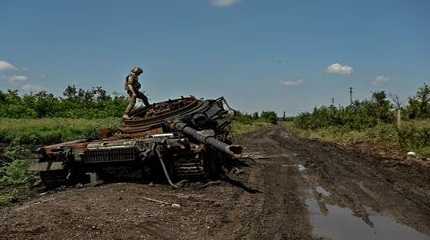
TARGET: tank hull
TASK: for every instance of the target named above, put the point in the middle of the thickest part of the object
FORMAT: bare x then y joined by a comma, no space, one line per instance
185,138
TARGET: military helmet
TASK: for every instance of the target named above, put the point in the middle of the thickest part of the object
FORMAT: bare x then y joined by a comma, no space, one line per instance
136,70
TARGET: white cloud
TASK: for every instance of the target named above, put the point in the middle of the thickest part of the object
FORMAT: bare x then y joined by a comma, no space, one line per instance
223,3
293,83
16,79
339,69
381,79
6,66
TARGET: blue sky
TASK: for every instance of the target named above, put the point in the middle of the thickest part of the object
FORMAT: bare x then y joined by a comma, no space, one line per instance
282,55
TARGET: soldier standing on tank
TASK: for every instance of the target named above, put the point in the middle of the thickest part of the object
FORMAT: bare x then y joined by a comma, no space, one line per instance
132,87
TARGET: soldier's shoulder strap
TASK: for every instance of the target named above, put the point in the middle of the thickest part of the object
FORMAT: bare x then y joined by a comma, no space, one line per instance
129,78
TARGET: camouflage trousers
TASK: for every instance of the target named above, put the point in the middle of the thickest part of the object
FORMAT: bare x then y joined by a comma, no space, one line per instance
132,100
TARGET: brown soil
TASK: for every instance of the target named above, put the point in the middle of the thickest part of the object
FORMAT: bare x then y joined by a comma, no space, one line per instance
272,199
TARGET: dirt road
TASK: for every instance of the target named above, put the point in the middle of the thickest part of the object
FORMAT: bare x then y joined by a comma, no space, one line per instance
295,189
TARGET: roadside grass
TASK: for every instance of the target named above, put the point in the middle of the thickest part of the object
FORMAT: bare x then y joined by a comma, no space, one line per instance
51,130
15,181
412,136
21,135
242,127
54,130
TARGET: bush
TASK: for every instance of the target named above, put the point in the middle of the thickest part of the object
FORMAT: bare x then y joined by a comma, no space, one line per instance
269,117
419,105
15,178
414,136
16,173
358,116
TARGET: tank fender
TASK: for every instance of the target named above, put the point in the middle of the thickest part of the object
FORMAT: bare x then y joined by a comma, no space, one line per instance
46,166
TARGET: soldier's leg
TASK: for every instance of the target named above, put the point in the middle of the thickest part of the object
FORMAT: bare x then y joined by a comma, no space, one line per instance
142,96
131,103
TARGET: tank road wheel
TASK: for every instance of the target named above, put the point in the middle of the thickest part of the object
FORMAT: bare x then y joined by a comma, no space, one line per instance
53,179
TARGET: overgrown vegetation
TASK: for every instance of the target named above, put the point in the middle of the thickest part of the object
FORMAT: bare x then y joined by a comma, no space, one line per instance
51,130
75,103
373,121
244,122
15,178
21,135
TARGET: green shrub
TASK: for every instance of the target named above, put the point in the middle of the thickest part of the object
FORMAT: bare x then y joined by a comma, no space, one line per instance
413,137
357,116
269,117
265,116
16,173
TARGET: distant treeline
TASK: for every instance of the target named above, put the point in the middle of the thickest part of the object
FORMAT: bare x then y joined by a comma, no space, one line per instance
265,116
364,114
75,103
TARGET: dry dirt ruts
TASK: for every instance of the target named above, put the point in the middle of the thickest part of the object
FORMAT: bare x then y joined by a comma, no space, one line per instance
283,194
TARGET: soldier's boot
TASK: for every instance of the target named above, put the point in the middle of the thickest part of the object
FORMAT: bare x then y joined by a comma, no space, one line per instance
145,101
130,106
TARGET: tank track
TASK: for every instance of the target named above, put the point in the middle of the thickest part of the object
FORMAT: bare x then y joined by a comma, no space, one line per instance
189,169
144,121
53,179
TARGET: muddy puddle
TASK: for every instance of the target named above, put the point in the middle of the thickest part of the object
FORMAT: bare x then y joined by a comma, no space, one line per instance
339,223
330,221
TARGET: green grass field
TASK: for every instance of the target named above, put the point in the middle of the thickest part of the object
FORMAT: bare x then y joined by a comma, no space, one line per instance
54,130
51,130
239,128
22,134
412,136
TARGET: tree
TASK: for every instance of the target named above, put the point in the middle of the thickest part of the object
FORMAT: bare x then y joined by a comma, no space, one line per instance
2,97
269,116
423,97
70,92
382,106
419,105
100,94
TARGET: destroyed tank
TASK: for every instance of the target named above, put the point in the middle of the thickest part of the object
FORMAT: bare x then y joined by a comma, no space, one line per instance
185,138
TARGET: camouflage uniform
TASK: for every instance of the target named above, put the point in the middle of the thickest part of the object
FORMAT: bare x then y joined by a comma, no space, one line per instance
132,81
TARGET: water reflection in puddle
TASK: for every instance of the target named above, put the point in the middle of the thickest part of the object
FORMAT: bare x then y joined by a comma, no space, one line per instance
301,167
339,223
322,191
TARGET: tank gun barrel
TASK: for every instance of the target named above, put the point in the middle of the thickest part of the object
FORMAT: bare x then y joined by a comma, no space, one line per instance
233,151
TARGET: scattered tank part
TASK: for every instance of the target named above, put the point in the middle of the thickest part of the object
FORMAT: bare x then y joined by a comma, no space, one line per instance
185,138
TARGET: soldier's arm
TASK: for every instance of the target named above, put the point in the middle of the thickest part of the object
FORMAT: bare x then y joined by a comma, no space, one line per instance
130,87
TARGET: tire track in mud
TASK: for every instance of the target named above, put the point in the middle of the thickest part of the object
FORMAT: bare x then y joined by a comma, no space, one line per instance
313,190
345,186
279,211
